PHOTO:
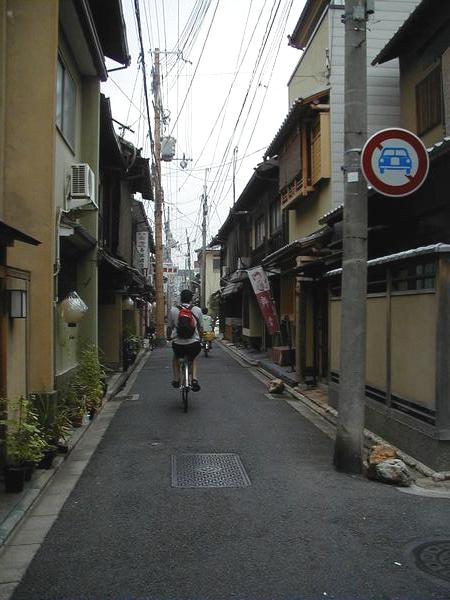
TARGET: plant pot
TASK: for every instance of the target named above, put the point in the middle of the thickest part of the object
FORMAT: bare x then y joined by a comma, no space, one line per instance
47,460
92,413
28,468
77,421
14,479
62,448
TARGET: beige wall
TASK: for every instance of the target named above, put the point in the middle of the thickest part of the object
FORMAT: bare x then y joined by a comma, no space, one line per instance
305,219
212,277
414,347
3,20
17,348
86,150
110,331
376,342
311,73
32,38
411,73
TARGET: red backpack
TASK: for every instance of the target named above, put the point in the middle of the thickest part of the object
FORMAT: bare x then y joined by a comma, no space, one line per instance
187,322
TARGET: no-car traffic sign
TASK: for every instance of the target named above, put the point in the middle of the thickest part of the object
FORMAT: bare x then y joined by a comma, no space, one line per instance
394,162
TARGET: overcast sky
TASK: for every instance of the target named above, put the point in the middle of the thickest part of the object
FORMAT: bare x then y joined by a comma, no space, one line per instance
227,90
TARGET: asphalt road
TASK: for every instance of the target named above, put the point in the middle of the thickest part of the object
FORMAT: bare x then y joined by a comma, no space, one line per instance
300,531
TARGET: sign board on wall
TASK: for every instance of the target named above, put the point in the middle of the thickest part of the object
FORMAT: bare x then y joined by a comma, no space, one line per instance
261,287
142,249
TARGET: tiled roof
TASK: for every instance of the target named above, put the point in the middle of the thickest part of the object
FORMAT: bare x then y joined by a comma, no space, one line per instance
289,120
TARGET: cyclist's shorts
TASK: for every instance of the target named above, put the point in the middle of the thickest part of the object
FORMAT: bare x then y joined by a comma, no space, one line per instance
189,350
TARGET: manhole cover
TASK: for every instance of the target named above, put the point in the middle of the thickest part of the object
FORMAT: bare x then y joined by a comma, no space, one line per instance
434,558
208,470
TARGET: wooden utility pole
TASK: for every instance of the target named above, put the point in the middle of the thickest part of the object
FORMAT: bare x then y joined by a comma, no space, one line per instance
189,285
205,214
349,437
159,286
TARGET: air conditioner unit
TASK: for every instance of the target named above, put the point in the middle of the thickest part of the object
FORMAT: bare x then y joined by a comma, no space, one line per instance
82,187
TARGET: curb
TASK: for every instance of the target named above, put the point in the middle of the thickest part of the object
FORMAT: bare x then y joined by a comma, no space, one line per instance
40,482
331,415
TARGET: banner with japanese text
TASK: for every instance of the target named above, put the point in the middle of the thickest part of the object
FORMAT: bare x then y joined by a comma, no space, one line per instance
261,287
142,249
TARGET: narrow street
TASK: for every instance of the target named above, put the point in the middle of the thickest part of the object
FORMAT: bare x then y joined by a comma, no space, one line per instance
300,530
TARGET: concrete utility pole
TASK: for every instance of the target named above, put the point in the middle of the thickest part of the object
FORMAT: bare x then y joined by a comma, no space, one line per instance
205,214
349,438
159,285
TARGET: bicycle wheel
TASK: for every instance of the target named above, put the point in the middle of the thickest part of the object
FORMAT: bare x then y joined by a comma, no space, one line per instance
184,396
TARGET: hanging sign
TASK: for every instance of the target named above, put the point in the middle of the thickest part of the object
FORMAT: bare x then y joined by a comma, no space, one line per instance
261,287
142,249
395,162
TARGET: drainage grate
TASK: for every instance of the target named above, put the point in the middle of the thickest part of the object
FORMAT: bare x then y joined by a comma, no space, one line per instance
434,558
208,471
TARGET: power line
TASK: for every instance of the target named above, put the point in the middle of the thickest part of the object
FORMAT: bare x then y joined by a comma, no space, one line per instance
198,63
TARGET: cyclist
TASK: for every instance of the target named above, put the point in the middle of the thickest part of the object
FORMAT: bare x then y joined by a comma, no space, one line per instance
207,324
185,329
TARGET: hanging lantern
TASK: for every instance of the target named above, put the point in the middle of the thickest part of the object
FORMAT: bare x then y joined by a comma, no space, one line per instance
73,309
127,303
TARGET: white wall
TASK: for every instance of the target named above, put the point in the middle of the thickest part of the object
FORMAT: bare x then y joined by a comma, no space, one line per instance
383,96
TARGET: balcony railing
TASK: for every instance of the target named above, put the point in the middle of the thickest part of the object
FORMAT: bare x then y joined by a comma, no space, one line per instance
291,192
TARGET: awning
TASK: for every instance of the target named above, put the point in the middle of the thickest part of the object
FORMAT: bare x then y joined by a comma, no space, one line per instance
291,250
231,288
132,274
8,235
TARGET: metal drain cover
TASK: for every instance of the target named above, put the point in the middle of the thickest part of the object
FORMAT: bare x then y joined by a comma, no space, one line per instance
434,558
208,471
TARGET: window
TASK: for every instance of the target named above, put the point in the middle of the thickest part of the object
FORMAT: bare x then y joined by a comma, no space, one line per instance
275,217
415,276
216,263
429,101
377,279
65,103
260,231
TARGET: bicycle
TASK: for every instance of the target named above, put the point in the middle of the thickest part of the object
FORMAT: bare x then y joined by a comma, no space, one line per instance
207,339
185,380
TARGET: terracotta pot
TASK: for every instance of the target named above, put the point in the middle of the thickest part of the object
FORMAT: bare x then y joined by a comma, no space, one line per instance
77,420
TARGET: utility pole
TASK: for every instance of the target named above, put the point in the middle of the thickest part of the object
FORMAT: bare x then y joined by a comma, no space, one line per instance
160,333
205,214
350,430
189,260
235,151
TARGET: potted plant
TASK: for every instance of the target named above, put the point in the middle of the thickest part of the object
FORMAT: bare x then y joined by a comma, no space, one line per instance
53,422
89,379
132,345
25,444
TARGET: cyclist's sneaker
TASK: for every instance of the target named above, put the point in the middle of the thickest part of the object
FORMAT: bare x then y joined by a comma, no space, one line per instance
175,383
195,385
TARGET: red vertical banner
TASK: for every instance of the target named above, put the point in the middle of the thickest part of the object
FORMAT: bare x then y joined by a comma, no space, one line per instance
261,287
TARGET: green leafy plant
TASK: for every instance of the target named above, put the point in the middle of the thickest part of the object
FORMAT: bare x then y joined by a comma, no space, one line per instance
133,342
88,380
25,442
53,417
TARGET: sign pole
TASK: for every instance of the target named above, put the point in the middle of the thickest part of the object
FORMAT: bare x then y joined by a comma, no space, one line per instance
349,435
